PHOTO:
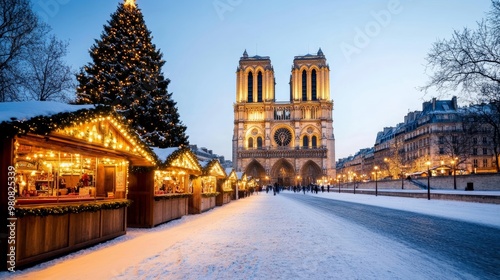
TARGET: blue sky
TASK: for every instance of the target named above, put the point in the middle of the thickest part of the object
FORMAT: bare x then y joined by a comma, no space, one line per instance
376,51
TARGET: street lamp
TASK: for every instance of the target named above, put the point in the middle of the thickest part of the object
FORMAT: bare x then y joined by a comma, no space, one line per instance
338,181
428,180
376,185
354,185
453,162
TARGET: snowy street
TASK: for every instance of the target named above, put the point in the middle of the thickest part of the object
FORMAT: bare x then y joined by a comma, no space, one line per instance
297,236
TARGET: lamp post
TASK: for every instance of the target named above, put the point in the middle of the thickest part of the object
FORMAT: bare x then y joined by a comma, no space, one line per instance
338,181
428,180
402,178
376,179
454,162
354,185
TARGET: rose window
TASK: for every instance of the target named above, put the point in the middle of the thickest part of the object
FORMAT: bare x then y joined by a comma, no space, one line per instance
283,137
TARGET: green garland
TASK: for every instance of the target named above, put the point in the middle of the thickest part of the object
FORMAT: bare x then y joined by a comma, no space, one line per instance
210,194
172,196
66,209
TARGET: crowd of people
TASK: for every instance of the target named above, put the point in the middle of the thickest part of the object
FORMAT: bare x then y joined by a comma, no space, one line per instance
313,188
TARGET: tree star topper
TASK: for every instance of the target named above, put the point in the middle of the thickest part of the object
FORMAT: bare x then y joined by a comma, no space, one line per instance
130,3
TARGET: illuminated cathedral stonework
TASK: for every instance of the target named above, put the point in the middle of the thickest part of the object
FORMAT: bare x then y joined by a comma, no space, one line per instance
289,142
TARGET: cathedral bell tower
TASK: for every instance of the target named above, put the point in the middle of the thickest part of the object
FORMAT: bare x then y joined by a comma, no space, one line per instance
254,79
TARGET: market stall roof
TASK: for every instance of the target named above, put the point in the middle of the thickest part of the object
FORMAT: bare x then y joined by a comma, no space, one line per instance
241,176
213,168
68,125
178,158
231,174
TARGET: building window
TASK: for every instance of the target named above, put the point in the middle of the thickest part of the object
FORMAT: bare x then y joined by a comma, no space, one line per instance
474,162
485,151
441,139
314,141
441,151
474,140
485,163
474,151
250,143
305,142
485,141
304,85
259,87
313,85
250,87
259,142
454,139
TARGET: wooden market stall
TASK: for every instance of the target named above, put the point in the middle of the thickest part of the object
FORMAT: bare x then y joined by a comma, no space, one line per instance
162,194
242,184
232,181
69,167
205,193
225,189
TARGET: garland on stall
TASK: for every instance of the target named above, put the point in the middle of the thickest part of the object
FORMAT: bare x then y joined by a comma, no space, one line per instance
142,169
210,194
74,209
172,196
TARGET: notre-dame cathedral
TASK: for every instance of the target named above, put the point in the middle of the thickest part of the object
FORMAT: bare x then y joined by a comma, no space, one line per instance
288,142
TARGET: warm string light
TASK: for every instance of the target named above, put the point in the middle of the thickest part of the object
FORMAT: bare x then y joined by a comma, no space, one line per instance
130,3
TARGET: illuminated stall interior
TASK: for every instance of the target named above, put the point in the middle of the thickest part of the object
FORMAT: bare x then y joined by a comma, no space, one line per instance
242,181
212,172
231,181
174,176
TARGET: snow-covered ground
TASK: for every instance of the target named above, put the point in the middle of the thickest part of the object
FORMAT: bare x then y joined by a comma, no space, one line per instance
265,237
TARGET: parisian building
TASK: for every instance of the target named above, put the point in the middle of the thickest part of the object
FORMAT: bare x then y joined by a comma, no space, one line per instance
439,139
285,142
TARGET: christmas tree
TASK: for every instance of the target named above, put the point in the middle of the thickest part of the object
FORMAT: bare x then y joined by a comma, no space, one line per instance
125,73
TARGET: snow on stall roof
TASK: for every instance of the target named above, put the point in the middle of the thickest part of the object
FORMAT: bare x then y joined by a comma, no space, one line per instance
164,153
204,163
11,111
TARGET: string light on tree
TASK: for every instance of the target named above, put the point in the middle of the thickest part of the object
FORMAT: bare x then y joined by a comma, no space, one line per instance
125,73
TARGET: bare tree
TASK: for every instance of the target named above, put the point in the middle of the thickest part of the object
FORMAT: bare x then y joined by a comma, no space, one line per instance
44,75
18,23
486,120
31,65
396,161
469,62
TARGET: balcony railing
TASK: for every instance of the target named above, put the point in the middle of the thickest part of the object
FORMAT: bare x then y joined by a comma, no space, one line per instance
284,152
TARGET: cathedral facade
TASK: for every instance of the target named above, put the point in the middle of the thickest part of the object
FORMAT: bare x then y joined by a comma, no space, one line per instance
288,142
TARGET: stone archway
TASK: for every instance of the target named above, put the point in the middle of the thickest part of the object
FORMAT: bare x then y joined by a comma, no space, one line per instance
256,171
283,173
310,172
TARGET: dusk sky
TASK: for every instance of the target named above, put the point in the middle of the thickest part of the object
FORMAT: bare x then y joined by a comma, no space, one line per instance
376,50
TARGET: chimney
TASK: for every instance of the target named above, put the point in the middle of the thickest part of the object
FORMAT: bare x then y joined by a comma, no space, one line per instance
454,102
